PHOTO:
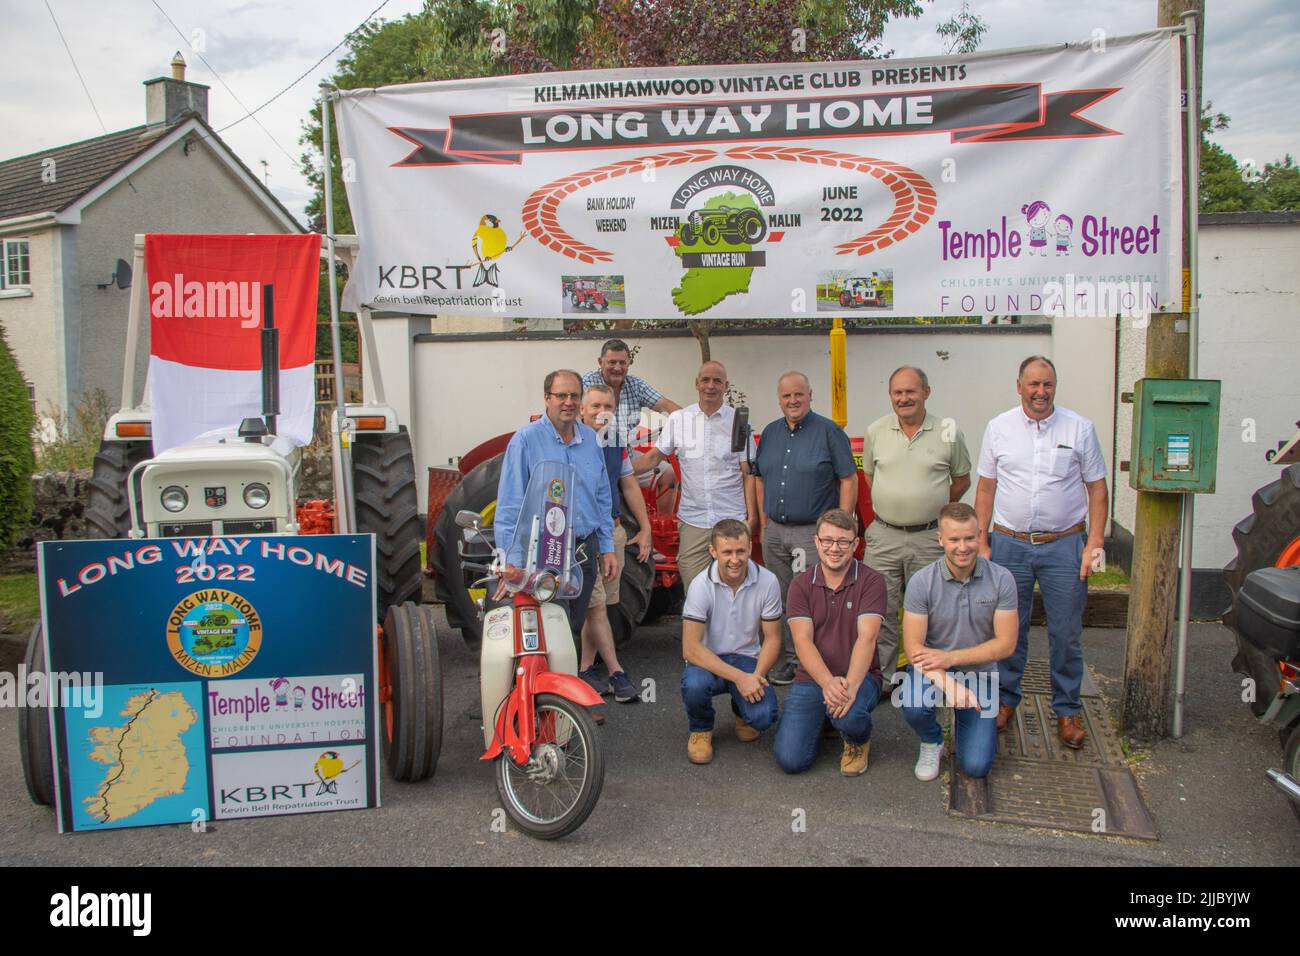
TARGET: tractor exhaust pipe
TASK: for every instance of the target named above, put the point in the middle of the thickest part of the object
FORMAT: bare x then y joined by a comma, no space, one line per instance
270,360
1286,783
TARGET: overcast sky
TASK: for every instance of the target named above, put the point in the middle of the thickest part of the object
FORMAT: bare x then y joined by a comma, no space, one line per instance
258,48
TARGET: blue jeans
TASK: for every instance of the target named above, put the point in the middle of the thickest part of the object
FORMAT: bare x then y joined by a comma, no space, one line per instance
799,734
700,686
1055,567
975,728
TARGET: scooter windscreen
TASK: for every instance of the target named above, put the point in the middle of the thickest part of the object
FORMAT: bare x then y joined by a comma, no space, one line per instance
542,550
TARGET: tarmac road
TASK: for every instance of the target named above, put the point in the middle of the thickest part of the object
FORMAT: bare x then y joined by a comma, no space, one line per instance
1207,793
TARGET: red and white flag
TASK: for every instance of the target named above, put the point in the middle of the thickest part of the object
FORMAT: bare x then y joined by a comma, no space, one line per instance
205,308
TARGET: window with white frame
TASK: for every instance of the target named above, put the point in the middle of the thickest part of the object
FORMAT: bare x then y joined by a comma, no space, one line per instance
17,271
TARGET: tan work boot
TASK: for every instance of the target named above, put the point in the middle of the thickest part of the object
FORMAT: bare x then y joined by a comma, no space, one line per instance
699,746
853,762
745,733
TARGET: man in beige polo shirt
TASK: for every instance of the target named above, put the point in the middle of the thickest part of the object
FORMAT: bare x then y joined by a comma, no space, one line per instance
914,464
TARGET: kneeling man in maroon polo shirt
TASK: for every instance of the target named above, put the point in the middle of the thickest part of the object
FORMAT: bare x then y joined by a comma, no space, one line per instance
834,610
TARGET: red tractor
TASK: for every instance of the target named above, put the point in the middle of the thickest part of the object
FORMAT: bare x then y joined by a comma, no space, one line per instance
646,590
586,295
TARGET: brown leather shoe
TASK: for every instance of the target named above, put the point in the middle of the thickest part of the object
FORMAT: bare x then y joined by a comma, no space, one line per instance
699,746
745,733
1005,713
1070,730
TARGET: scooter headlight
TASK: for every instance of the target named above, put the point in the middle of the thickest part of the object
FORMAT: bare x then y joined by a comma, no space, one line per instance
544,587
257,495
174,498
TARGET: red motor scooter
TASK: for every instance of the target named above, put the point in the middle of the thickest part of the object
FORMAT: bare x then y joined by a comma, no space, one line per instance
549,766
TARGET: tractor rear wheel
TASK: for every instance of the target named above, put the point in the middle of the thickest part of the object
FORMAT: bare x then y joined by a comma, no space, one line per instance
1269,537
108,506
634,587
383,485
412,673
477,491
34,731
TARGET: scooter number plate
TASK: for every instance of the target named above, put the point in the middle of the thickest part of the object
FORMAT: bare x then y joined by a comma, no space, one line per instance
530,640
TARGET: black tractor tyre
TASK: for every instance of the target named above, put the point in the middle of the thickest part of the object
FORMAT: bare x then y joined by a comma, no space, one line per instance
712,233
415,676
687,234
634,586
383,486
475,492
752,228
1261,537
34,731
108,506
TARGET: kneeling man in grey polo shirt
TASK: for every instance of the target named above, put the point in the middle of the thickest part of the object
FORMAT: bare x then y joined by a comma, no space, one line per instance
960,618
726,608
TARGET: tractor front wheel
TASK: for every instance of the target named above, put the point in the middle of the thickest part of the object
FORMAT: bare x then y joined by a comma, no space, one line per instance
410,692
477,491
108,506
634,587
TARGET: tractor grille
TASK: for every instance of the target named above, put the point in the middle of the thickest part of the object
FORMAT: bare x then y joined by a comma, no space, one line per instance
250,526
187,529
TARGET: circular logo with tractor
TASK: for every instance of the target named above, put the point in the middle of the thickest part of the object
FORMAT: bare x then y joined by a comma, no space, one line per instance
214,633
555,490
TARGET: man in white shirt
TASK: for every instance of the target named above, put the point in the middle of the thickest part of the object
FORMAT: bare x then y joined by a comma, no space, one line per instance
731,636
1042,506
716,484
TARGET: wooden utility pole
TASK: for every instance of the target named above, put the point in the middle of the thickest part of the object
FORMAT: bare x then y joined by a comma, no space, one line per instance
1148,661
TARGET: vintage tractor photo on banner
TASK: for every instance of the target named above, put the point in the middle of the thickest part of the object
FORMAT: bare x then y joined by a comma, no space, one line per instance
243,479
587,295
860,291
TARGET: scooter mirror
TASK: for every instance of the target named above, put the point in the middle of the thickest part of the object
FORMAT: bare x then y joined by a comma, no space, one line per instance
468,519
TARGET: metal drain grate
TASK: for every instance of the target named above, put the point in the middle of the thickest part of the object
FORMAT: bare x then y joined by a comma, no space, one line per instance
1036,781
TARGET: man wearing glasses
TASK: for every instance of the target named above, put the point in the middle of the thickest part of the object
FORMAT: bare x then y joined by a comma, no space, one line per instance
834,610
559,436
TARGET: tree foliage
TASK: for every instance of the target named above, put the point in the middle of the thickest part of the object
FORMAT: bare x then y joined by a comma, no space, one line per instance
17,457
1230,186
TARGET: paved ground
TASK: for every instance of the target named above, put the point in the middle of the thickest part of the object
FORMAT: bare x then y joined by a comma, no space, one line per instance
1207,793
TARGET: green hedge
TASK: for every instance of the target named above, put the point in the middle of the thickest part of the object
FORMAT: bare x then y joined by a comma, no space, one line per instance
17,457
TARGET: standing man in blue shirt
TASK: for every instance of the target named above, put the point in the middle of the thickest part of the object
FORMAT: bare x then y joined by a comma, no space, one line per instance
804,467
559,436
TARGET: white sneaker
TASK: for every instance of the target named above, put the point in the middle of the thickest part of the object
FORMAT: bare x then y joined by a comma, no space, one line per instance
927,762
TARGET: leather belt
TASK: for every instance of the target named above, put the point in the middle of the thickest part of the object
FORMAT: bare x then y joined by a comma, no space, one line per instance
1040,537
929,526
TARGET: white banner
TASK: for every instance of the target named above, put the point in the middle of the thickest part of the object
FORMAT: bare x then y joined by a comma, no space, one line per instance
1024,182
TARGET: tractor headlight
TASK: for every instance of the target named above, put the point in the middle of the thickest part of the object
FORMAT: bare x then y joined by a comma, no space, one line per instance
174,498
257,495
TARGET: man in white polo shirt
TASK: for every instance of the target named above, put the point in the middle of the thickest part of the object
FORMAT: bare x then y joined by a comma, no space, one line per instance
726,610
1042,505
716,485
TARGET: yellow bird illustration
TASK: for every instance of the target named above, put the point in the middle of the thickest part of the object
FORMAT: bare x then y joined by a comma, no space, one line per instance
328,766
489,244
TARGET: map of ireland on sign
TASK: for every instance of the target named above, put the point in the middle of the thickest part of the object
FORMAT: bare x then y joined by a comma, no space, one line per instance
142,760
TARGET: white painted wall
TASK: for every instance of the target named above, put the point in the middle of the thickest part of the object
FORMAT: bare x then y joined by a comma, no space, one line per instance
1250,340
466,391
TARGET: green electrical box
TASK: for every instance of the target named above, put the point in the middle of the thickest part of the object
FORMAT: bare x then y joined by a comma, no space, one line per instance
1175,435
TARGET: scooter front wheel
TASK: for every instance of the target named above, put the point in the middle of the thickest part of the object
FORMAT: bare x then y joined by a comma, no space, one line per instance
557,787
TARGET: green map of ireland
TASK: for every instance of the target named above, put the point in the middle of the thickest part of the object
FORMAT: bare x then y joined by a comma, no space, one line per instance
701,289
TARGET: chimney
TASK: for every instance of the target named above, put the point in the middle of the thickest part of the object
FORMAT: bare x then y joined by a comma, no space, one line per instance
167,99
